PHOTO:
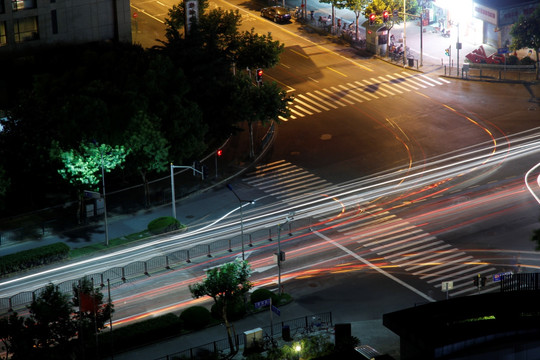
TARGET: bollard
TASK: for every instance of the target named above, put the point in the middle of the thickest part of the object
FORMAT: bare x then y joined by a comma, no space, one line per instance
250,241
123,274
146,268
188,260
269,234
209,255
167,263
230,247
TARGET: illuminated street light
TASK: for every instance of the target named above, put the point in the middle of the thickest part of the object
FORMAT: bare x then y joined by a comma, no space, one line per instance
241,201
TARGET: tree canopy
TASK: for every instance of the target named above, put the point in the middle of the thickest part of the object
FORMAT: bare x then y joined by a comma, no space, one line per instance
526,33
225,284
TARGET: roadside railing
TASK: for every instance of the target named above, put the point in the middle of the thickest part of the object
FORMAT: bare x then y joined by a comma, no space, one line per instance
117,276
222,346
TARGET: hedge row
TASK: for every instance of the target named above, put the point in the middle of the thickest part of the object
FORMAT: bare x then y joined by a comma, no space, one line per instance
34,257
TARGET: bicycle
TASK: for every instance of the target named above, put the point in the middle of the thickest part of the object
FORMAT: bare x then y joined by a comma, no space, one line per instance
269,342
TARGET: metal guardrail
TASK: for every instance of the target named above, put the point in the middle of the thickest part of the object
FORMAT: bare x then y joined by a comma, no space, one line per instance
120,275
222,345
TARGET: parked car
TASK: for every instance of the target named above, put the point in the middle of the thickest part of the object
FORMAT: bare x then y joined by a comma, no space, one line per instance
276,13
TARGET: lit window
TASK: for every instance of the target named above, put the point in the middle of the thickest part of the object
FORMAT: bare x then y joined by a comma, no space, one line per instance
3,37
23,4
26,29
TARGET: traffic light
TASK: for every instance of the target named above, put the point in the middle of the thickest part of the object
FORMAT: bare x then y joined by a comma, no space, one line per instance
258,75
219,152
372,18
385,16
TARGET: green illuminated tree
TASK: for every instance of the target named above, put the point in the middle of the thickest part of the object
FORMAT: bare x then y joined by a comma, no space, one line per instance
226,285
83,166
526,34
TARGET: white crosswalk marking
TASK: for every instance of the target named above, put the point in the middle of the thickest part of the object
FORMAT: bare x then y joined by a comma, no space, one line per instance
284,180
333,97
409,247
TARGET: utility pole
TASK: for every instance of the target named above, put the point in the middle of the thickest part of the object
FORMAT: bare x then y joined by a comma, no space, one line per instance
280,255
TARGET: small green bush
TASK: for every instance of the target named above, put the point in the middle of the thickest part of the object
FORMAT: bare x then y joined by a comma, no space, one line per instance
263,294
140,333
512,60
527,61
235,310
163,224
34,257
195,317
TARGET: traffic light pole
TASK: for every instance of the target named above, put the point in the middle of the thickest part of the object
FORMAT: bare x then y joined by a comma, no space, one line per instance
172,184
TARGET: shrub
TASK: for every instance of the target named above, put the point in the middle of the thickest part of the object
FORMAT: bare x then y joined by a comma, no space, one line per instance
512,60
235,310
140,333
195,317
527,61
263,294
34,257
163,224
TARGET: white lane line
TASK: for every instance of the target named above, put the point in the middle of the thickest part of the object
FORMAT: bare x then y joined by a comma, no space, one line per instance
352,91
376,268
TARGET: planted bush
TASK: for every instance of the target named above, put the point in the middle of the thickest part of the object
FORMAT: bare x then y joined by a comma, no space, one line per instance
140,333
195,317
263,294
163,225
34,257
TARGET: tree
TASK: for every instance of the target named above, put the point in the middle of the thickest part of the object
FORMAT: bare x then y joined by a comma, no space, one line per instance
177,19
93,313
340,4
225,285
149,149
357,6
526,34
257,51
51,325
83,166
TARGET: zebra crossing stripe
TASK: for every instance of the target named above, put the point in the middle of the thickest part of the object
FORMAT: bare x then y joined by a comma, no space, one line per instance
333,94
394,82
282,182
329,98
363,87
448,270
345,93
444,80
386,238
414,77
353,225
321,100
307,105
352,91
292,192
460,272
408,243
389,257
402,80
439,259
385,85
397,222
430,79
282,118
313,102
379,85
299,108
413,80
296,112
443,264
416,261
376,86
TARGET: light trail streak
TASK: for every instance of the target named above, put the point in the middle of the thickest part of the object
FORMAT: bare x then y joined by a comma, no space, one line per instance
527,182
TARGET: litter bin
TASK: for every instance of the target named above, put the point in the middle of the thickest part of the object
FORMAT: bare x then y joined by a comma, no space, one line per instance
411,61
286,333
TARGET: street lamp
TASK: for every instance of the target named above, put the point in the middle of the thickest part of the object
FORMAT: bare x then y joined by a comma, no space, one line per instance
241,201
280,256
104,200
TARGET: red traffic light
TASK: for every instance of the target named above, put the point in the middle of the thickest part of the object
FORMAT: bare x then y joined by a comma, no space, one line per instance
372,18
385,15
219,152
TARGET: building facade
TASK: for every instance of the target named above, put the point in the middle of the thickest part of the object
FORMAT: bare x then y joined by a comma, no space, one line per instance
36,22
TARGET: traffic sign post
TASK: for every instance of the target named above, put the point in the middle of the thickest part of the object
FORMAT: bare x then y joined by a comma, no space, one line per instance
447,286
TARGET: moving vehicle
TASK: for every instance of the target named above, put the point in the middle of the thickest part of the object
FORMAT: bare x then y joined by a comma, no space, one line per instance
276,13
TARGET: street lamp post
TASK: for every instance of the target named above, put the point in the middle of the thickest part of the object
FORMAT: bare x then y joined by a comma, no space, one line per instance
289,218
104,196
173,197
241,201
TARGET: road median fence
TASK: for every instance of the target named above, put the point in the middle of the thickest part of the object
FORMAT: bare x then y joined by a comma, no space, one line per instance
172,261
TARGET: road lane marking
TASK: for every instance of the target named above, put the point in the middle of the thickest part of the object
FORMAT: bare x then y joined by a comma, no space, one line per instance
374,267
338,72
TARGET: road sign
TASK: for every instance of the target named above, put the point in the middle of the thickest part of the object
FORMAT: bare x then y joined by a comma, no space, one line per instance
447,285
260,304
276,310
91,194
498,277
